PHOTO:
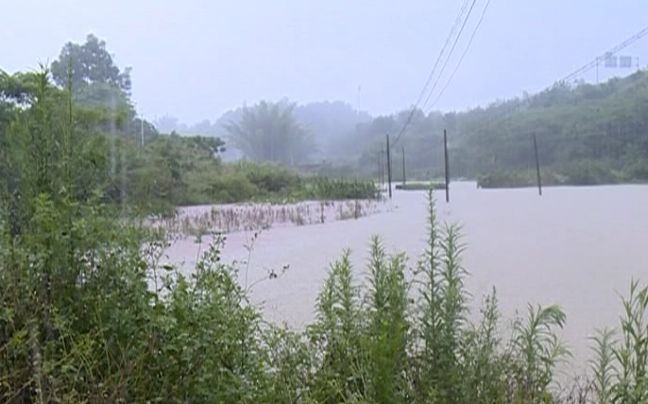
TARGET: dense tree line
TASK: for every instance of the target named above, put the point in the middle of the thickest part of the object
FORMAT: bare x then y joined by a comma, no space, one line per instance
586,134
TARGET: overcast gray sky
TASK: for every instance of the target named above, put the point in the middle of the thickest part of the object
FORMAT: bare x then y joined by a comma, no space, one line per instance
196,59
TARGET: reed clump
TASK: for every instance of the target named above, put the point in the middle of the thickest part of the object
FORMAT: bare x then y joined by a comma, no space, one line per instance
220,219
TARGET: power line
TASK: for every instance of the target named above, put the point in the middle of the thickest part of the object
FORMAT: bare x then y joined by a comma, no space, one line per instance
443,49
463,55
589,66
524,103
451,51
433,71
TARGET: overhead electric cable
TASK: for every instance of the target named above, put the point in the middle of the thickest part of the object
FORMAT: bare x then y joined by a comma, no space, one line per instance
454,45
589,66
451,34
463,55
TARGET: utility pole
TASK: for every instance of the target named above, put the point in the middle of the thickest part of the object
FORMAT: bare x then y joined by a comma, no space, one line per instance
404,179
447,171
537,161
142,131
382,167
378,166
389,174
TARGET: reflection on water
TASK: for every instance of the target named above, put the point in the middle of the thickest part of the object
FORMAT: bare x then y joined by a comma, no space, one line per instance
576,246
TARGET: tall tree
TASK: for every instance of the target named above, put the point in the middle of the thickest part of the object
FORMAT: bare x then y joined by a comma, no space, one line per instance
88,64
99,84
270,132
95,79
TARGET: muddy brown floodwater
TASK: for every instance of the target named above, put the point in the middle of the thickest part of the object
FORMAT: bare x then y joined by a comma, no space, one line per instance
575,246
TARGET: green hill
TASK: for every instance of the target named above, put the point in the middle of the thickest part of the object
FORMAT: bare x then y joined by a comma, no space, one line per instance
587,134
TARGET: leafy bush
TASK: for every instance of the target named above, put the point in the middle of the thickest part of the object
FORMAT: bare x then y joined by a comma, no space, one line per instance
375,344
588,172
638,170
506,179
271,179
325,188
581,172
619,367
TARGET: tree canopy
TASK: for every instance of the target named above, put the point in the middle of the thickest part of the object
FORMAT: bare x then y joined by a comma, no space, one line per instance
99,84
579,127
89,64
270,132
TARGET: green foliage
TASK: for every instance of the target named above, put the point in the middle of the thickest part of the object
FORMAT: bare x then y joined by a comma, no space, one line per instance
538,349
207,336
336,335
271,179
603,366
632,352
96,83
588,172
508,179
325,188
638,170
582,172
269,132
485,369
172,170
386,339
175,170
575,125
419,186
78,320
88,64
619,366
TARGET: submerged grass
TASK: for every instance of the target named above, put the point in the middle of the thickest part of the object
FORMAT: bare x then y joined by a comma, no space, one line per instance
260,216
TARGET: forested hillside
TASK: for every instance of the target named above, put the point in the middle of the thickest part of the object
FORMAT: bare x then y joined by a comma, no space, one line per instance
586,134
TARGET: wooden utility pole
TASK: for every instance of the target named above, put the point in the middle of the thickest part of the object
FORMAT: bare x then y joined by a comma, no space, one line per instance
537,162
378,167
404,179
447,170
389,173
382,168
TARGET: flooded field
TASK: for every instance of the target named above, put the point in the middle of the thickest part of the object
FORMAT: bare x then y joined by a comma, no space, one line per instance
575,246
255,217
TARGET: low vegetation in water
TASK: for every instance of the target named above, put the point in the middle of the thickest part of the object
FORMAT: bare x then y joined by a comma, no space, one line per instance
197,178
200,220
419,186
583,172
330,189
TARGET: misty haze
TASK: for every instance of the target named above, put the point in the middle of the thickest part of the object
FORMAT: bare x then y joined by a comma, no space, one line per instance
323,202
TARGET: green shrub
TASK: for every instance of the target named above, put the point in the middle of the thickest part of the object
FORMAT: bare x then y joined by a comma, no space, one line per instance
588,172
272,179
506,179
638,170
325,188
